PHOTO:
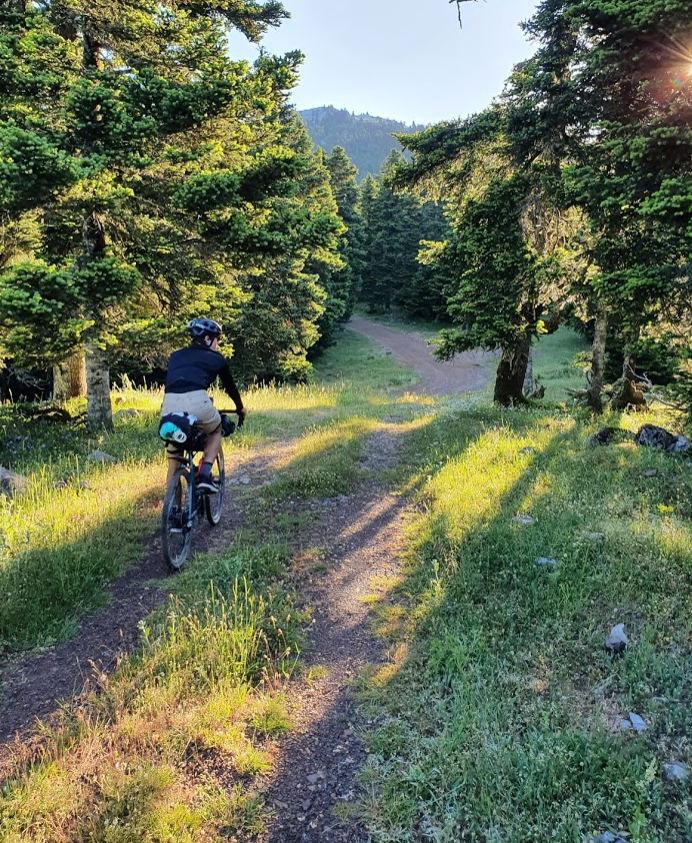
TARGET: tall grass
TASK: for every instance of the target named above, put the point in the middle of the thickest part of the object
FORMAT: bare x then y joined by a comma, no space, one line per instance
166,748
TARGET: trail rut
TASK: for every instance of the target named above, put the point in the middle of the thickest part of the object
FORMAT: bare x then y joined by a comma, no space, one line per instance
316,772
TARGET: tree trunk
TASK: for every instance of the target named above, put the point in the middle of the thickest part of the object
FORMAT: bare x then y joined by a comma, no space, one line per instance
509,380
69,378
625,393
528,377
595,389
629,366
99,414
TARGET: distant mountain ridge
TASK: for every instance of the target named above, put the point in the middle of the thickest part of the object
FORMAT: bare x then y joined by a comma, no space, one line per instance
367,140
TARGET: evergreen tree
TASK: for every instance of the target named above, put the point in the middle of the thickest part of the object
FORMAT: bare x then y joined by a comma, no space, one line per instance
393,236
342,177
288,264
424,293
609,89
145,117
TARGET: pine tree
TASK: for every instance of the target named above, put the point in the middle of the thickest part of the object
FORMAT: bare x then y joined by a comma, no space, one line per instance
284,260
143,102
610,90
342,177
393,235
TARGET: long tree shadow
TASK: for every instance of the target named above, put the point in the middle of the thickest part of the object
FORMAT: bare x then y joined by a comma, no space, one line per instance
483,668
495,717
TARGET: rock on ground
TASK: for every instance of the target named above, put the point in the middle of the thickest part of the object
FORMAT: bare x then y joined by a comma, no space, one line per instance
617,641
676,772
652,436
12,484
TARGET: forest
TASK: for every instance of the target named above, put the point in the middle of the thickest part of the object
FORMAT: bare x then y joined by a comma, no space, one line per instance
448,597
142,184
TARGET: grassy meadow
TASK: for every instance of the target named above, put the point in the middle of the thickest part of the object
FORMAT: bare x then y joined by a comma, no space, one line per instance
81,523
166,749
501,714
497,717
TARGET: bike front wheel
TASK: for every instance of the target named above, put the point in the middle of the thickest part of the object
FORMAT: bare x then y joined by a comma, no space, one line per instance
176,524
214,503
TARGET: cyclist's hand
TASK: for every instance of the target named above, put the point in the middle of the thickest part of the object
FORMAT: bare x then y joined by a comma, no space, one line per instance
241,416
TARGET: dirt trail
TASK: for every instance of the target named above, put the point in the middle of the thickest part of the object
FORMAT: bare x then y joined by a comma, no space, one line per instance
34,684
315,775
467,372
359,536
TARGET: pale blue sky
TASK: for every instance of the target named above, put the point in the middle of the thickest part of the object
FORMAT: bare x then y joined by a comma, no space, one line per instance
403,59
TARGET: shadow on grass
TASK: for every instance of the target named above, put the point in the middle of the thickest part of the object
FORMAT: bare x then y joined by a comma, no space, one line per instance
494,725
502,715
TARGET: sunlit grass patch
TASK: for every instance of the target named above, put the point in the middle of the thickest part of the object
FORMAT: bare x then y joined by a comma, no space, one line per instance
356,364
269,718
325,462
503,721
60,547
126,763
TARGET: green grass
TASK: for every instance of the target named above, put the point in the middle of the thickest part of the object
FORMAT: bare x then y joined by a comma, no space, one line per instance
559,361
501,716
357,364
166,748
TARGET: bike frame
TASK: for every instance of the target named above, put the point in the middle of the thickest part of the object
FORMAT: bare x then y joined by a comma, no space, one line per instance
198,504
188,459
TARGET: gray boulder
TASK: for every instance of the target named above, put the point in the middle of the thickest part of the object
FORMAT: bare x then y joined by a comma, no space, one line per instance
545,561
633,721
652,436
617,641
12,484
608,837
676,772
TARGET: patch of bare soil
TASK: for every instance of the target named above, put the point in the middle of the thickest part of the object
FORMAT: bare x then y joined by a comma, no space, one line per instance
315,779
467,372
34,684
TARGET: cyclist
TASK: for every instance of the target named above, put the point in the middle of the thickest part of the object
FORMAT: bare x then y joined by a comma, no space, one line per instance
191,371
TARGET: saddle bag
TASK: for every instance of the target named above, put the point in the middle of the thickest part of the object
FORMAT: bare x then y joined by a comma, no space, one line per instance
227,425
177,428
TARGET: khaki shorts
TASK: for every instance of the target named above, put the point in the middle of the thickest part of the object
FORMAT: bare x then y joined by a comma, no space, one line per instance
196,403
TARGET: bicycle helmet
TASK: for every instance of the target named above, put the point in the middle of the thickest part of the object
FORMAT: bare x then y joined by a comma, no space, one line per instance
199,328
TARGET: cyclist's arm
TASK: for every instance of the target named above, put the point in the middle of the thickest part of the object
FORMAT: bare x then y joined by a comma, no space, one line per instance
230,387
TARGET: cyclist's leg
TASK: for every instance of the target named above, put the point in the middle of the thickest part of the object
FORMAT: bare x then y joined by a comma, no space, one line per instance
211,449
175,459
209,420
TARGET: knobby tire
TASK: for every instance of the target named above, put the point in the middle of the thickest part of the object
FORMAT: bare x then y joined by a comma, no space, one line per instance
176,546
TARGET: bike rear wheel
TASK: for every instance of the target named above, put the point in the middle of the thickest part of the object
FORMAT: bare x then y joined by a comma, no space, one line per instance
176,527
214,503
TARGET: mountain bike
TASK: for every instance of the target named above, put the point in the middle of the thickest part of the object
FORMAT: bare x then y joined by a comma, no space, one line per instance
184,504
